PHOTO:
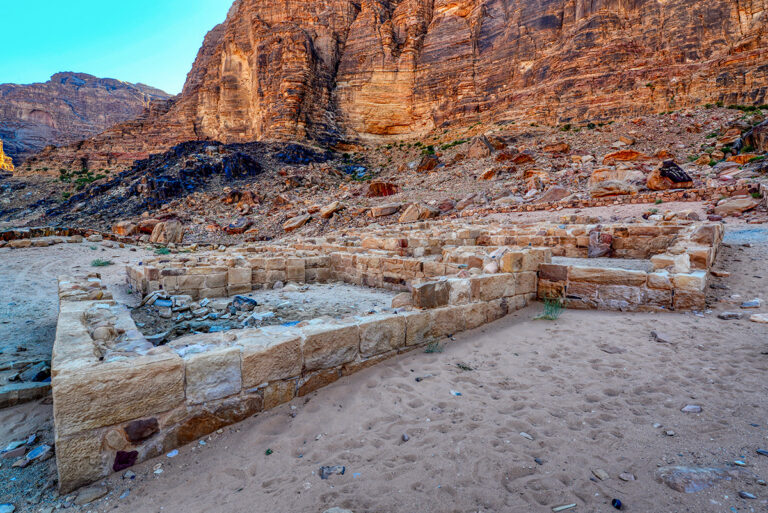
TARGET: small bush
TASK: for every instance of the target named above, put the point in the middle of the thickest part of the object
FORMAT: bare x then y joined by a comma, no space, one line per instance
566,127
748,149
162,251
757,195
659,201
434,347
553,309
101,263
712,163
428,150
450,145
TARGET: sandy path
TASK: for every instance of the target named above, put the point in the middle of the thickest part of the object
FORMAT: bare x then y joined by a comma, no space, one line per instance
29,303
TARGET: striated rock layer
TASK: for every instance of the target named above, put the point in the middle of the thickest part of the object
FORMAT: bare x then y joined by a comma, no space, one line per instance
67,108
372,69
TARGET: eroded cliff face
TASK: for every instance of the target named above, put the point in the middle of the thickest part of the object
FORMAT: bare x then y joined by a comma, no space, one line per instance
67,108
368,69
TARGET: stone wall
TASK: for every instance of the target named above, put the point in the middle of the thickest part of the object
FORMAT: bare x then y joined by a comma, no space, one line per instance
119,400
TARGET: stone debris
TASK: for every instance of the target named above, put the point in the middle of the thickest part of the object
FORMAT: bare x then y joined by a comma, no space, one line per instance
691,408
91,493
694,479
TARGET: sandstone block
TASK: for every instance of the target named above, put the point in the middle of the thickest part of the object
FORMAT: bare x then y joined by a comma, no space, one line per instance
607,276
213,374
239,276
492,286
431,294
330,346
116,392
695,281
417,326
381,335
270,354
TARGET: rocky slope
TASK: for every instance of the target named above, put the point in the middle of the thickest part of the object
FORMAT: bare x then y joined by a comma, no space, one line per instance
343,69
67,108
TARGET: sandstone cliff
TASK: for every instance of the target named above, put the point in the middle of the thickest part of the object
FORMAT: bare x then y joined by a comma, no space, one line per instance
371,69
67,108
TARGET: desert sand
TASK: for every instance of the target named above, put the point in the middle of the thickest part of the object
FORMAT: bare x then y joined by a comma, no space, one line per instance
594,390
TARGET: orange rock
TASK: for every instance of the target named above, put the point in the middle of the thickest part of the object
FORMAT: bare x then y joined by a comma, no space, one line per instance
741,159
624,156
561,147
382,189
124,228
612,188
663,155
296,222
490,174
668,176
523,158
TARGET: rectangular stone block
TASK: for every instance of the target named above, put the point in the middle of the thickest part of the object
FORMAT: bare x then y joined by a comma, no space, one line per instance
553,272
270,354
191,281
460,291
695,281
213,374
79,460
417,327
525,283
661,280
492,286
475,315
689,300
330,345
380,335
279,392
446,321
431,294
216,280
607,276
239,276
114,392
316,380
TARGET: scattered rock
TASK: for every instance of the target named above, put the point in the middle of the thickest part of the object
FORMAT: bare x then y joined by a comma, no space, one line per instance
382,189
627,476
553,194
91,493
167,232
384,210
735,205
761,318
730,316
693,479
327,211
669,176
428,163
601,474
612,188
691,408
661,337
296,222
480,148
747,495
561,147
326,472
624,156
754,303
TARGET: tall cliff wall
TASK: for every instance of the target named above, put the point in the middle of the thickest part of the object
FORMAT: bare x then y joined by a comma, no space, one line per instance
67,108
334,69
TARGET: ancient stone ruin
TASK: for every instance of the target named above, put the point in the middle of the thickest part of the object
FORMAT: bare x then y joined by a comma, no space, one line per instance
122,395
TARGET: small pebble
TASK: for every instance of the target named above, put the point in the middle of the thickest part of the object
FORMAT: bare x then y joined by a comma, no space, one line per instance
406,437
627,476
526,435
746,495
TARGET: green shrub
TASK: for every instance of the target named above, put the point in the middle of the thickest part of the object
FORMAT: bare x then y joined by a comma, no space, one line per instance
553,309
101,263
162,251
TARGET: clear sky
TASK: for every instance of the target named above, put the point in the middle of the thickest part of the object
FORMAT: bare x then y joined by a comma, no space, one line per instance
148,41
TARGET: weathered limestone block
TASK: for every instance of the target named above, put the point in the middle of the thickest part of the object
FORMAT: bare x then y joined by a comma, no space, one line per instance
330,345
379,335
239,276
475,315
525,282
431,294
446,321
460,291
492,286
115,392
213,374
270,354
417,327
315,380
278,392
657,298
79,460
695,281
660,280
607,276
689,300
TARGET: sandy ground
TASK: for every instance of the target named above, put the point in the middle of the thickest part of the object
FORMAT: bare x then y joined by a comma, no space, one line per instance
588,388
29,303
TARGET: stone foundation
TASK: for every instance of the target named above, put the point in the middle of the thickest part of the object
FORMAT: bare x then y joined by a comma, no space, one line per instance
118,399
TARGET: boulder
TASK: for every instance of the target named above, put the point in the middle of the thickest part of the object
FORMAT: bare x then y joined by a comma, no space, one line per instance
428,163
553,194
624,156
757,137
742,158
167,232
416,212
382,189
612,188
561,147
384,210
125,228
735,205
296,222
669,176
327,211
480,148
525,157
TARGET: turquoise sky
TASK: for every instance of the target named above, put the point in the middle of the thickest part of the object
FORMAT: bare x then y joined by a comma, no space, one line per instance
149,41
